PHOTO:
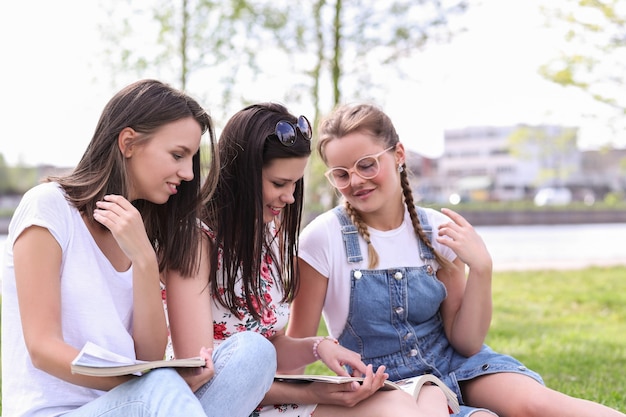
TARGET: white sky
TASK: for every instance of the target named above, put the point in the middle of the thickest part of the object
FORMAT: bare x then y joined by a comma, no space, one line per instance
51,96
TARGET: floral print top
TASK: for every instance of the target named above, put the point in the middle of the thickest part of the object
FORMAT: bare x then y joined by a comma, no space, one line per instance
225,324
273,319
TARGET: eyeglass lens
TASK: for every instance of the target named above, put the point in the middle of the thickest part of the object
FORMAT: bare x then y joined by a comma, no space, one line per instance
366,168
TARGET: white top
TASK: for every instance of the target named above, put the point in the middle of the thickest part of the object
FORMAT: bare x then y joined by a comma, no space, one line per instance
96,306
321,246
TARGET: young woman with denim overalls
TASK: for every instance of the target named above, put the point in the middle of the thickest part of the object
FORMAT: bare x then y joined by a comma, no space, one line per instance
407,287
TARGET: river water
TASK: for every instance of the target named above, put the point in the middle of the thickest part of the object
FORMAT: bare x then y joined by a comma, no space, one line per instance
555,246
545,246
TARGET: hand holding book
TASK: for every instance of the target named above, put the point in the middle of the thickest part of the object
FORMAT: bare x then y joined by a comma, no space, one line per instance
409,385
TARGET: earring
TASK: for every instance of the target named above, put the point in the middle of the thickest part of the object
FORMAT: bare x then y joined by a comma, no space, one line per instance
400,168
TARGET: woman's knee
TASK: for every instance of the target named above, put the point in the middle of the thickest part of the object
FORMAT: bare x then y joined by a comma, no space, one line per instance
252,351
255,346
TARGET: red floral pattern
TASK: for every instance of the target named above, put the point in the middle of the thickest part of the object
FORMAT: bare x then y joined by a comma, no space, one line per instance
273,318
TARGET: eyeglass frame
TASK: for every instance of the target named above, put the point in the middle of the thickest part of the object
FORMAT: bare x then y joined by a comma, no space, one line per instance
375,156
302,125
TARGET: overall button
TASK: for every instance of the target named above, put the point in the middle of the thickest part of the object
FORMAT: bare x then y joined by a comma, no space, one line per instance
398,275
485,367
429,270
413,352
358,274
399,310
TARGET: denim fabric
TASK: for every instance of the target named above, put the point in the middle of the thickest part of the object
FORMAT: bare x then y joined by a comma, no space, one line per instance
160,392
351,241
245,365
394,320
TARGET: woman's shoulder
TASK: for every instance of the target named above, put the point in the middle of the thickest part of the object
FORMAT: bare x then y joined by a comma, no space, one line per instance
322,221
320,233
45,194
44,205
434,217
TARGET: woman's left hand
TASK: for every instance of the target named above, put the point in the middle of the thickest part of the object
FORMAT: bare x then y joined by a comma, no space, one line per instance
197,377
460,236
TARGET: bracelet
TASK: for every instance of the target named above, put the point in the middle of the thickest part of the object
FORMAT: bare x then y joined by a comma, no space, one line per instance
320,340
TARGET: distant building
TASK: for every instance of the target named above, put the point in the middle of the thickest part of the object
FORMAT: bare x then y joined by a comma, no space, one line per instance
505,163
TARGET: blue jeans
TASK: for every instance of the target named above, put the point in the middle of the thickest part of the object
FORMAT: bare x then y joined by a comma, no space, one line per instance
245,365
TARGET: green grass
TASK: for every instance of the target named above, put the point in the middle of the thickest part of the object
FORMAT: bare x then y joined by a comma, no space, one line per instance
566,325
569,326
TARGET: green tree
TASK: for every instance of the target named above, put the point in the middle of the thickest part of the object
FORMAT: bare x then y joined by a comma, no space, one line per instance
5,184
199,45
555,148
594,58
330,50
349,43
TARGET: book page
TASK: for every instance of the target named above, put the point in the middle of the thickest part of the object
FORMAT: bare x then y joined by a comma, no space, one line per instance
94,355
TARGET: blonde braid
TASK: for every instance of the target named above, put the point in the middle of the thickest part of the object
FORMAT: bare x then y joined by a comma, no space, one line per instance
362,228
417,226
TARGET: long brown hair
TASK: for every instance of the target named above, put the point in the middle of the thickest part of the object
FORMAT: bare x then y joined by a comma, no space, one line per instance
372,120
235,210
144,106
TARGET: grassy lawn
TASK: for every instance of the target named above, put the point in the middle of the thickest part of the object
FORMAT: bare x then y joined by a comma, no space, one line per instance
566,325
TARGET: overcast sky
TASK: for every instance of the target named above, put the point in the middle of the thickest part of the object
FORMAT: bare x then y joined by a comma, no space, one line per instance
52,95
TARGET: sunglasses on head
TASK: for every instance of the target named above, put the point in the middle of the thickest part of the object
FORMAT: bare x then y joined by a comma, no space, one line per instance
287,132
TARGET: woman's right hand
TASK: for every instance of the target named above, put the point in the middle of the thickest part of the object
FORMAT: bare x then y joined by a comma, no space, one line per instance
351,393
124,221
197,377
336,357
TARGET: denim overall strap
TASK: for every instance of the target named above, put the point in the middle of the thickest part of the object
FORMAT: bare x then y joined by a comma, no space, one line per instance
425,251
350,236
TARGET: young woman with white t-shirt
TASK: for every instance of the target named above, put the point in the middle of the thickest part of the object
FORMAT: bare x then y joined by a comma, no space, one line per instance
83,262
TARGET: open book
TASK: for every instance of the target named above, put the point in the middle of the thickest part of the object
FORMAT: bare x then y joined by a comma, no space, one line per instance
410,385
97,361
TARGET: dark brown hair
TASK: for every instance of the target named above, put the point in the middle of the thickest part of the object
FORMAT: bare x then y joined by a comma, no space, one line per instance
144,106
235,211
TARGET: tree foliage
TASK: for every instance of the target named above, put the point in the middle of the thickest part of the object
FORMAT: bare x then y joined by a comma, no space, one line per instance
322,52
346,51
594,59
554,148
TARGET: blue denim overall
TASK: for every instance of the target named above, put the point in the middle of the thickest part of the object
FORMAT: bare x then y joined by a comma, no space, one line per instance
394,320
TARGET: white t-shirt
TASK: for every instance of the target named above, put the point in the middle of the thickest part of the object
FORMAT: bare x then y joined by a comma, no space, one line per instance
96,306
321,246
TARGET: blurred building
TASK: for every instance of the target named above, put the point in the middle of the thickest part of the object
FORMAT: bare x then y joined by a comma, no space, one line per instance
507,163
